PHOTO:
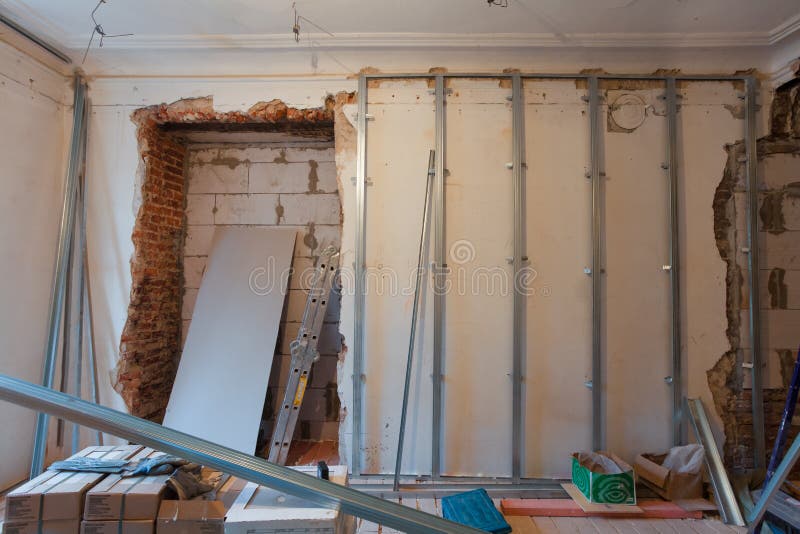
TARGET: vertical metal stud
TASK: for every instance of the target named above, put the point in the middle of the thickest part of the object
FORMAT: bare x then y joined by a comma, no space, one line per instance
751,154
598,437
62,261
360,264
518,178
440,275
678,422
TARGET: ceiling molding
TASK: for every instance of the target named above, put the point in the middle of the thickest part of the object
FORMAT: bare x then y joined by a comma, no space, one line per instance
434,41
785,29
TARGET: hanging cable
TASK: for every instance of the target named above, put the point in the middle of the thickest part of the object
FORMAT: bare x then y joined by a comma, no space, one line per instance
98,30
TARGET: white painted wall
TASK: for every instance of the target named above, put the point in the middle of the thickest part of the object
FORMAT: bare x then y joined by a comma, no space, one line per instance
35,115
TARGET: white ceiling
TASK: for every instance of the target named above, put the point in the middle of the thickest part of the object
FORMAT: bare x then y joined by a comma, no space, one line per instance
254,38
224,23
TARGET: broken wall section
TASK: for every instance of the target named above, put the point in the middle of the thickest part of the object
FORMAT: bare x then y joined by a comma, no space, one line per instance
291,184
779,278
150,342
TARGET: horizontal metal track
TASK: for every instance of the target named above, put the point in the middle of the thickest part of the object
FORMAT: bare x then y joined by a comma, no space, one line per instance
562,76
321,492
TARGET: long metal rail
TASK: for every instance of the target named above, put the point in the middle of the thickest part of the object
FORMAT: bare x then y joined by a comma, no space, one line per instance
595,165
723,492
752,249
561,76
756,516
439,277
676,378
77,149
360,275
520,258
140,431
420,274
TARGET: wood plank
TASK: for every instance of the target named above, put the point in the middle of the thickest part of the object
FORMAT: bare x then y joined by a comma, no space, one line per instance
522,524
645,526
591,507
651,509
545,525
224,370
579,525
622,526
603,525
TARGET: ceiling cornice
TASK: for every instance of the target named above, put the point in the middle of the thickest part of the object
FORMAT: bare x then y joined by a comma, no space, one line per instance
785,29
438,41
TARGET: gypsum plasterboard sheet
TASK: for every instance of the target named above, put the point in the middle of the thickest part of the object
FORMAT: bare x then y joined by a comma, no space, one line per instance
479,310
557,403
222,378
395,205
636,311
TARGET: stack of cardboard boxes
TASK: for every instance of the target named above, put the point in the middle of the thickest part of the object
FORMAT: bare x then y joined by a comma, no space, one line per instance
124,504
52,503
68,502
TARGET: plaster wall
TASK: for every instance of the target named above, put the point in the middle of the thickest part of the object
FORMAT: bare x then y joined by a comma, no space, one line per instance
35,104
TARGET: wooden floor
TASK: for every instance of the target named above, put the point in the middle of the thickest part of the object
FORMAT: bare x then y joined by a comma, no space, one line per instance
554,525
580,525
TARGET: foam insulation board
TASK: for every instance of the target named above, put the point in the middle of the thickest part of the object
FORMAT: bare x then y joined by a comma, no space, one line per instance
223,374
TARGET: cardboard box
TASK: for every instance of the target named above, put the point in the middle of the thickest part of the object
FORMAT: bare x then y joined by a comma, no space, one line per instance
191,517
44,527
130,498
139,526
671,484
229,492
58,495
603,477
264,510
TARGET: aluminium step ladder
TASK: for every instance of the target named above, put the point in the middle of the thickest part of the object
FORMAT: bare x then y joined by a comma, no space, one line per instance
303,354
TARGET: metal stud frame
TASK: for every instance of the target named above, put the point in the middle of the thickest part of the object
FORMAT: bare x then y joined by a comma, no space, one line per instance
595,173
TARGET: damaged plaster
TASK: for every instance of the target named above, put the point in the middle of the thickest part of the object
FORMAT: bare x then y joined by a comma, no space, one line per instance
727,380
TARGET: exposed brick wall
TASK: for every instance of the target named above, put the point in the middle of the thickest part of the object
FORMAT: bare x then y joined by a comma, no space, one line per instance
273,184
779,279
151,338
150,345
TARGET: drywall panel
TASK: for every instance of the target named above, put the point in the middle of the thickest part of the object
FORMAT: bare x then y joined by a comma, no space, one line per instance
477,360
397,169
558,405
222,378
32,172
636,320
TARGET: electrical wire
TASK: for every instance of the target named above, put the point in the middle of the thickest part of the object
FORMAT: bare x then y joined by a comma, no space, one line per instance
98,30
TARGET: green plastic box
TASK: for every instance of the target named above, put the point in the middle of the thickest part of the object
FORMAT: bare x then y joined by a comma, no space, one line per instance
600,486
